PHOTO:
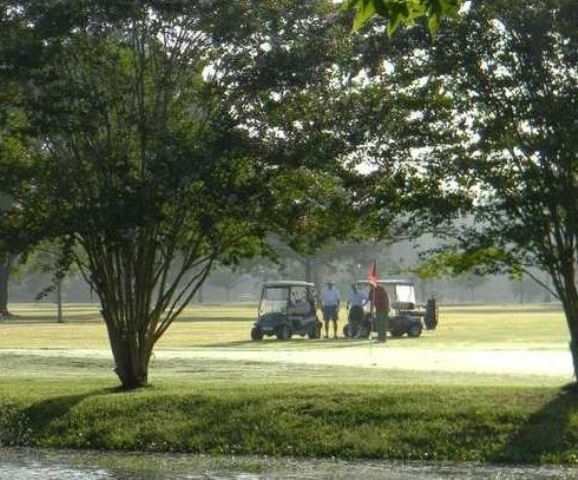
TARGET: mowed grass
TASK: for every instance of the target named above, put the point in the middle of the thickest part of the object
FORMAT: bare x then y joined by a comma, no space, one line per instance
36,327
36,367
233,407
363,420
493,326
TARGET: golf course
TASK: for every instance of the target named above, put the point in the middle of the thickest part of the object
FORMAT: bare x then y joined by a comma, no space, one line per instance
486,385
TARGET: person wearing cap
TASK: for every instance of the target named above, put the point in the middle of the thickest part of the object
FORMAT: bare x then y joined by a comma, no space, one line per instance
330,305
355,304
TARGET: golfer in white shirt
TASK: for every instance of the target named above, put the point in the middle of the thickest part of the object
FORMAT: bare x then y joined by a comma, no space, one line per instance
330,304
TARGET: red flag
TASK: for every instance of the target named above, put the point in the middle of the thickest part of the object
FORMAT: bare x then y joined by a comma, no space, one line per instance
372,275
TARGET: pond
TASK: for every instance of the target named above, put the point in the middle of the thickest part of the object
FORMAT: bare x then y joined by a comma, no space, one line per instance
24,464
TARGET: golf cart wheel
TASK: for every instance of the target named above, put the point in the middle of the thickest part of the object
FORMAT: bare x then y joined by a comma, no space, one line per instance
284,333
364,332
256,334
414,331
347,331
432,314
314,332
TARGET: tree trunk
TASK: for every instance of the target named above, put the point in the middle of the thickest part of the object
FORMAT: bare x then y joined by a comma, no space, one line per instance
140,298
132,355
572,319
308,270
200,295
571,312
5,267
568,294
59,301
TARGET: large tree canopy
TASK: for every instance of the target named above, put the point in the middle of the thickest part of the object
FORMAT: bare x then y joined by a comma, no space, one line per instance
171,136
13,145
488,148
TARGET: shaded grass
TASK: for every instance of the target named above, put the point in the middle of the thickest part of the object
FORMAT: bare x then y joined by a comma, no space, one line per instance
229,407
421,422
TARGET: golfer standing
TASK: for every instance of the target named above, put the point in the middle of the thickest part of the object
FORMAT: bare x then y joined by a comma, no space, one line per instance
330,305
355,304
380,301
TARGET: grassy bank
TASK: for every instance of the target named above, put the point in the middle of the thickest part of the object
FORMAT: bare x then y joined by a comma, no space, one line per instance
363,420
61,399
217,407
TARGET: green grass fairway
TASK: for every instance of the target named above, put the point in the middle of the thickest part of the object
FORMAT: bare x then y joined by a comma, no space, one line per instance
57,389
495,326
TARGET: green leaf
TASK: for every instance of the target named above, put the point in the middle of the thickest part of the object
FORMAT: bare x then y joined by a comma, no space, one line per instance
382,8
405,12
451,7
433,23
350,4
399,13
365,11
395,20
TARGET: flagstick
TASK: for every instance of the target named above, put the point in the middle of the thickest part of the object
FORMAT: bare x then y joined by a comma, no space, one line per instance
372,277
372,317
370,343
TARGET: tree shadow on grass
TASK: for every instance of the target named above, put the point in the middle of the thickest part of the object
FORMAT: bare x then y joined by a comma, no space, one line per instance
549,435
41,414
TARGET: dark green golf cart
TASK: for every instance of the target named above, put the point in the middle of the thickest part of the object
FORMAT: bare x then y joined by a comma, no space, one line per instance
287,308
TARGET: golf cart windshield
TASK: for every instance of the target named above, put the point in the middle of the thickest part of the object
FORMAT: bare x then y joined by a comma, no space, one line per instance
402,293
274,300
405,293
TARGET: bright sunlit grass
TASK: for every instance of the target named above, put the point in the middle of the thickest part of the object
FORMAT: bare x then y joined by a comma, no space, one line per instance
491,326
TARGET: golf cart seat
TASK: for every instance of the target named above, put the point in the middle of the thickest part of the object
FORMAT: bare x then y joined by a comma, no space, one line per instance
299,308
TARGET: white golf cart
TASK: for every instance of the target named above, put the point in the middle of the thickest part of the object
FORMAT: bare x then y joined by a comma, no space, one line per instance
406,316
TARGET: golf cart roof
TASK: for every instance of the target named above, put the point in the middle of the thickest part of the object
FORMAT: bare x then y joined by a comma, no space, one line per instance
287,283
390,281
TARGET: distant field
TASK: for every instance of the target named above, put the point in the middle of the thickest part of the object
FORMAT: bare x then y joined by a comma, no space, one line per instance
493,326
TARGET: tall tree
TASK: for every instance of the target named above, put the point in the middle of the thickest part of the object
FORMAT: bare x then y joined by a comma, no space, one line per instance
13,158
6,261
160,152
491,141
5,269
